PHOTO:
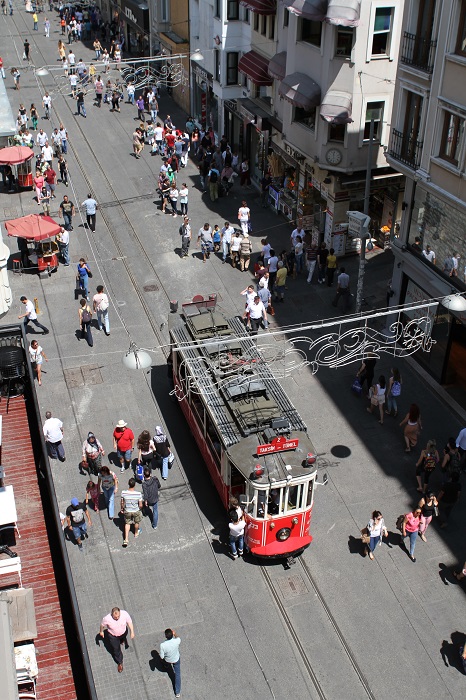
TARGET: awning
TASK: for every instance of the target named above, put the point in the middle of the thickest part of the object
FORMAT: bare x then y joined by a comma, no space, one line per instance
300,90
315,10
255,67
14,155
345,13
336,107
33,227
277,66
260,7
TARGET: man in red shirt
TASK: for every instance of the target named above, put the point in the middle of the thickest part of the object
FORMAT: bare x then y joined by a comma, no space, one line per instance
116,625
170,141
50,177
123,443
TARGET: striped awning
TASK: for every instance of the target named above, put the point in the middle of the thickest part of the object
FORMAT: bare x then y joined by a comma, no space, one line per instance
336,107
260,7
344,13
315,10
277,66
300,90
255,67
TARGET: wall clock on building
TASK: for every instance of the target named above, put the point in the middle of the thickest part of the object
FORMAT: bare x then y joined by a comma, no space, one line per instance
333,156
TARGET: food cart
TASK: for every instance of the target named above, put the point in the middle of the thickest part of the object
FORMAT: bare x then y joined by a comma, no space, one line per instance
36,241
21,158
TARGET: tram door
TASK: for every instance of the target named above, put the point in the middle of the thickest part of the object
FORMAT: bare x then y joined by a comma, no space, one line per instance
237,481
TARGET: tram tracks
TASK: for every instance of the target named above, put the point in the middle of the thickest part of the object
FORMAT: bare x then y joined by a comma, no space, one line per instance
271,582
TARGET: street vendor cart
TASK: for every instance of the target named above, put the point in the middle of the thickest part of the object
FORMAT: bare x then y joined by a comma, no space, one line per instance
19,157
36,241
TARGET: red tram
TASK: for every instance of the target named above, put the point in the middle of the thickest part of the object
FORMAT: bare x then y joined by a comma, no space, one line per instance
251,437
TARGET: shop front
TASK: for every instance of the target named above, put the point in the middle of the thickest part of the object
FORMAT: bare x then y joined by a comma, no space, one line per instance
204,100
134,21
233,125
256,134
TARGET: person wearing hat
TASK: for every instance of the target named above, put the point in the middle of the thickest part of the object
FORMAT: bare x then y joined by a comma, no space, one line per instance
123,443
75,517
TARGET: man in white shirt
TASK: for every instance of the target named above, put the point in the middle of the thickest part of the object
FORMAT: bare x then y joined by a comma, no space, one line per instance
41,138
63,240
30,315
429,254
47,152
170,655
100,303
244,217
47,104
227,232
343,289
158,135
71,61
299,231
53,434
257,315
235,247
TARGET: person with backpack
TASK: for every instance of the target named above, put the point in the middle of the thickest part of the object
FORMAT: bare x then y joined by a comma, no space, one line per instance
92,454
100,304
451,457
428,460
150,494
75,516
393,391
162,450
85,318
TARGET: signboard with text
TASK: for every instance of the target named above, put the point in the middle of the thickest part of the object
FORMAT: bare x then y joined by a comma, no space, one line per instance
278,444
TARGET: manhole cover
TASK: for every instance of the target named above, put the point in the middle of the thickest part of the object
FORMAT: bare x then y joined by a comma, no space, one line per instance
80,376
292,586
150,288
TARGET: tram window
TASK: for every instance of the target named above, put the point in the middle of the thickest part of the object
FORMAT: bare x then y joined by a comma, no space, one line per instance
310,493
236,480
213,440
261,504
198,409
294,497
273,501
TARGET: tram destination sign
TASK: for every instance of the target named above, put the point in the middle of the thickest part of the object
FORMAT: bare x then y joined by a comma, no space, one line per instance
278,444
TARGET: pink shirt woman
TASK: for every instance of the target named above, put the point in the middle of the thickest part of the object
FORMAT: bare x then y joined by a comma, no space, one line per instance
38,184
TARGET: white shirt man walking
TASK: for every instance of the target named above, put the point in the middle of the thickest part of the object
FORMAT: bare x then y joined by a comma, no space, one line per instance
53,434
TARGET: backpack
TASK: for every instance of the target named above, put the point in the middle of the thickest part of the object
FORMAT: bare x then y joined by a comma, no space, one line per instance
213,176
399,522
429,462
396,388
77,516
140,472
86,316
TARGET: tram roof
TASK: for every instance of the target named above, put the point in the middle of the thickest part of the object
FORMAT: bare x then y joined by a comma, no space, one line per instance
238,401
7,121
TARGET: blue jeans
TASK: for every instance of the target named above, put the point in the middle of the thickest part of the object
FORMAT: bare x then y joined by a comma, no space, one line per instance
81,109
177,672
109,495
155,514
391,404
79,530
299,263
374,542
164,467
83,284
65,252
103,315
236,541
56,450
412,541
64,145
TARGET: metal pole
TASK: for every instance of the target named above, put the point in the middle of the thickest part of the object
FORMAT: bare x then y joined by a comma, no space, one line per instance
367,192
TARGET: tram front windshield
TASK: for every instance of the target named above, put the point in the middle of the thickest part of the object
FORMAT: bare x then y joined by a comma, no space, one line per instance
271,501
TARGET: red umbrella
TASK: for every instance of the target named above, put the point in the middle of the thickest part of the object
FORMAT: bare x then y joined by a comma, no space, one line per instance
14,155
34,227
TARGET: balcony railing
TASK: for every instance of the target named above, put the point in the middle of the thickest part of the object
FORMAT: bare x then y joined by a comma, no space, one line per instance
406,149
418,52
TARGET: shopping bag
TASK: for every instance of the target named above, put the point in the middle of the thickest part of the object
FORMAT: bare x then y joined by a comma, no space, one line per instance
356,387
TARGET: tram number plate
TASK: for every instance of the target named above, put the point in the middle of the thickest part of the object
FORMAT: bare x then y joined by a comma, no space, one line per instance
277,445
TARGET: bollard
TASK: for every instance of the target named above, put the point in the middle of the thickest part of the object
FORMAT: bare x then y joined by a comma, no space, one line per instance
36,305
173,307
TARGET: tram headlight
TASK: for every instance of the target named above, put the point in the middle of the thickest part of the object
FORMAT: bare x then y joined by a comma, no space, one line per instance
272,526
283,534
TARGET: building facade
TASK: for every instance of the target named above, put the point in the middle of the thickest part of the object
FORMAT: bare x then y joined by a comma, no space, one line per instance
295,85
428,145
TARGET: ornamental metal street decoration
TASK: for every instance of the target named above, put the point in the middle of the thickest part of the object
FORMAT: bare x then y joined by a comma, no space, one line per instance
284,356
167,73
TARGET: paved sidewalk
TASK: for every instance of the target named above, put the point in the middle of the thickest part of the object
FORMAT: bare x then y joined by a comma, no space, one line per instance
179,576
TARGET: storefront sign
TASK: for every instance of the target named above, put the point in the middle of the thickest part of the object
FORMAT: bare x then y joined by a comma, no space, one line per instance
328,225
278,444
202,74
324,191
340,228
307,221
231,105
246,113
414,295
315,183
280,152
274,196
137,14
338,244
296,155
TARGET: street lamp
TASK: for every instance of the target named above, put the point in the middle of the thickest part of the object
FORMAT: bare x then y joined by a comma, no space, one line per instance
197,56
454,302
136,358
41,72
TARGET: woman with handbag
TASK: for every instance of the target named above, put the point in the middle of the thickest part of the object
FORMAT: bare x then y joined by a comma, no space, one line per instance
428,460
146,448
429,508
162,449
373,533
85,318
393,392
378,397
82,277
92,454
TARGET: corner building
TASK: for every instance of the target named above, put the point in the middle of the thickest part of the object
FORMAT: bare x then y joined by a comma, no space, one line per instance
427,145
